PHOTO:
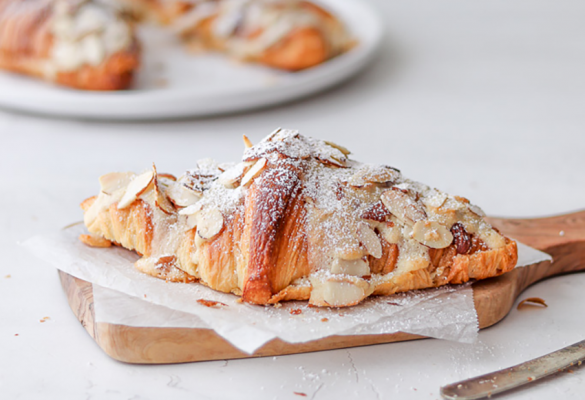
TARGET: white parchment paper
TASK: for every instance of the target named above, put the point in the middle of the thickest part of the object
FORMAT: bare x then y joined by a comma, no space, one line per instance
126,296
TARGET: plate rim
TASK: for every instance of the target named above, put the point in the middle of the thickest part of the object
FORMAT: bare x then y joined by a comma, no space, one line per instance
70,103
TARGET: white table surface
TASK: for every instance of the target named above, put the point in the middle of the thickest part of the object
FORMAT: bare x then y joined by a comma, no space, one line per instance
480,98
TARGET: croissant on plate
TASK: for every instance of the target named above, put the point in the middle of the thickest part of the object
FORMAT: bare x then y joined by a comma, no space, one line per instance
285,34
92,44
81,44
296,220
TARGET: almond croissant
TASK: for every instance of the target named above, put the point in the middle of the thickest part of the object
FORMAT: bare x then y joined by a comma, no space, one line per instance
78,43
285,34
297,220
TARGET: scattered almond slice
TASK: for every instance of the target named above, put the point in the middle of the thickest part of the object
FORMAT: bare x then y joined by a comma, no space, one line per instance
476,210
403,206
136,187
390,232
191,212
432,234
338,291
170,177
162,202
247,142
434,199
345,151
209,223
181,196
95,241
160,199
115,181
376,175
531,301
192,209
331,162
356,267
232,177
369,239
254,171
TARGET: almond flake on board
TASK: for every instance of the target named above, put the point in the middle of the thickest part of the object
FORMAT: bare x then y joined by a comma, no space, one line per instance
532,301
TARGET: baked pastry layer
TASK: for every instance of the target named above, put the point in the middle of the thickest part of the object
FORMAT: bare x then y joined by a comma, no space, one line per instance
297,220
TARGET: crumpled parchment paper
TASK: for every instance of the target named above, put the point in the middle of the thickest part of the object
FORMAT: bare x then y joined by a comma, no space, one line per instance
126,296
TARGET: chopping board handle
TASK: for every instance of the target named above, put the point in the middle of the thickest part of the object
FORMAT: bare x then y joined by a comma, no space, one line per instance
563,237
549,234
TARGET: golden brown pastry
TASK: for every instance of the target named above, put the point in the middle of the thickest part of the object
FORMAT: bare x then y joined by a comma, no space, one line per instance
285,34
297,220
77,43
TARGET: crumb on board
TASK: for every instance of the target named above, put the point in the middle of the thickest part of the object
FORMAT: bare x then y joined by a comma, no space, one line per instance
296,311
44,319
95,241
300,394
210,303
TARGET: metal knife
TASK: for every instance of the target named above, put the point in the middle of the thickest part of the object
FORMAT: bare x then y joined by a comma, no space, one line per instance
518,375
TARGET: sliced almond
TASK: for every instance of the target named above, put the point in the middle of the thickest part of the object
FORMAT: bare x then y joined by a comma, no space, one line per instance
531,301
192,212
412,256
432,234
476,210
492,238
373,174
247,142
390,232
209,222
338,291
434,199
403,206
160,199
369,239
331,162
192,209
231,178
95,241
136,187
114,181
357,267
345,151
254,171
376,212
162,202
168,176
182,196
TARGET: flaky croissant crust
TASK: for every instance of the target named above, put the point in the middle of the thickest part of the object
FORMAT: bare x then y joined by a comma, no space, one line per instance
298,220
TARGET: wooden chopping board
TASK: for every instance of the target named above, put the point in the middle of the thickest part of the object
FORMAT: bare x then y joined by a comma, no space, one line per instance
563,237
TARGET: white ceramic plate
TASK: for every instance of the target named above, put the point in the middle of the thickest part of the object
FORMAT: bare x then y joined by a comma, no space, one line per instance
174,84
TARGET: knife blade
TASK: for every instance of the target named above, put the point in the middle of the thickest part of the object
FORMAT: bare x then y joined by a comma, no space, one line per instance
518,375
